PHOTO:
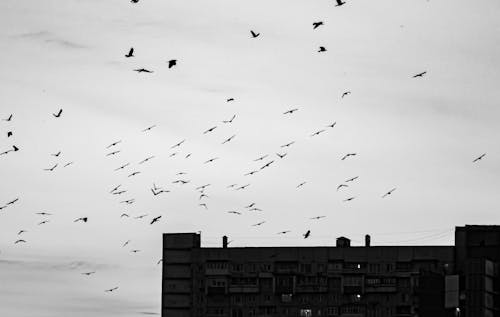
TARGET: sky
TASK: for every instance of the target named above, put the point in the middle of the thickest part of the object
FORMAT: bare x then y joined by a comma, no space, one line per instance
417,135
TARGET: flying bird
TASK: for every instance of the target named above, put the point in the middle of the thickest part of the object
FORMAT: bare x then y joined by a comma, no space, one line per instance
21,232
317,24
349,199
115,288
9,134
128,201
307,234
250,206
12,202
229,139
341,185
243,187
301,184
229,121
88,273
172,63
149,128
113,144
84,219
50,169
254,209
124,215
9,118
43,222
479,158
254,35
68,164
317,217
346,93
19,241
211,160
258,224
159,261
234,212
141,216
133,174
113,153
331,125
178,144
347,155
115,189
317,132
156,219
58,114
122,167
290,111
388,193
210,130
204,205
146,159
321,49
130,53
288,144
281,155
339,3
44,213
283,232
267,164
15,148
229,99
419,74
250,173
143,70
181,181
261,158
352,179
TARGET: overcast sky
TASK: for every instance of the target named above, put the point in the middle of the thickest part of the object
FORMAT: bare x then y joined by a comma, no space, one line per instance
418,135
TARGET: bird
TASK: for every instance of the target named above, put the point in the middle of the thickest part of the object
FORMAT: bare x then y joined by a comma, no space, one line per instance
210,130
349,199
290,111
19,241
128,201
317,217
250,206
301,184
331,125
113,144
122,167
12,202
321,49
339,3
84,219
388,193
188,155
229,139
134,1
307,234
21,232
178,144
146,159
203,196
115,288
50,169
44,213
229,99
243,187
254,35
68,164
267,164
352,179
143,70
141,216
9,118
211,160
342,185
172,63
229,121
159,261
345,94
115,189
133,174
419,75
261,158
281,155
130,53
317,132
204,205
58,114
173,154
157,192
347,155
88,273
156,219
234,212
15,148
288,144
317,24
250,173
254,209
43,222
180,181
124,215
9,134
232,185
149,128
283,232
479,158
258,224
202,187
113,153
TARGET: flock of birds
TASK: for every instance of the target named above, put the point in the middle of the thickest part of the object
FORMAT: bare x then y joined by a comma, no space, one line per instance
264,162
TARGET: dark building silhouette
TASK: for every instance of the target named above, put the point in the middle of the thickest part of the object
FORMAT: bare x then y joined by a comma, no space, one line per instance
347,281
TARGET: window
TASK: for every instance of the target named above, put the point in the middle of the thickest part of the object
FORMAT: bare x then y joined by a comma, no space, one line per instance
305,267
306,313
332,311
286,298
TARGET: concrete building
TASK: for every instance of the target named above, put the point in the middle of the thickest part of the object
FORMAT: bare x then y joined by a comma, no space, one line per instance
345,280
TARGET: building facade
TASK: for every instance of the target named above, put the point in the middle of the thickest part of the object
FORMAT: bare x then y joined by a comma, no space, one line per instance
345,280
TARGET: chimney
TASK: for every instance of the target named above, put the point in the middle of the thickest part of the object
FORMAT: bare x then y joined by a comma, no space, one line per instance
224,242
367,240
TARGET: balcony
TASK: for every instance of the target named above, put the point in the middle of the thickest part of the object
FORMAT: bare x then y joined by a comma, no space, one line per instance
246,289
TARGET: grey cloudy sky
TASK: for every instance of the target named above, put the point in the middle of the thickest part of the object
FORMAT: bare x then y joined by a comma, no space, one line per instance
418,135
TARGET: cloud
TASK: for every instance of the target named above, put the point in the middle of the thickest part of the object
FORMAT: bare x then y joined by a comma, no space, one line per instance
50,38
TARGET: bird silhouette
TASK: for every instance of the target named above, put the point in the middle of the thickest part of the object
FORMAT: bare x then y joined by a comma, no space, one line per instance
287,145
211,160
143,70
301,184
130,53
388,193
254,35
128,201
281,155
267,164
9,134
250,173
50,169
124,215
352,179
317,217
210,130
229,139
84,219
307,234
172,63
202,187
290,111
254,209
317,24
113,144
12,202
479,158
339,3
134,1
119,192
347,155
21,232
229,121
156,219
135,251
88,273
15,148
232,185
243,187
349,199
68,164
20,241
58,114
141,216
331,125
159,261
346,93
321,49
146,159
341,185
177,144
133,174
250,206
115,288
258,224
44,214
203,196
419,74
180,181
317,133
234,212
204,205
43,222
115,189
283,232
261,158
158,192
113,153
229,99
9,118
149,128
